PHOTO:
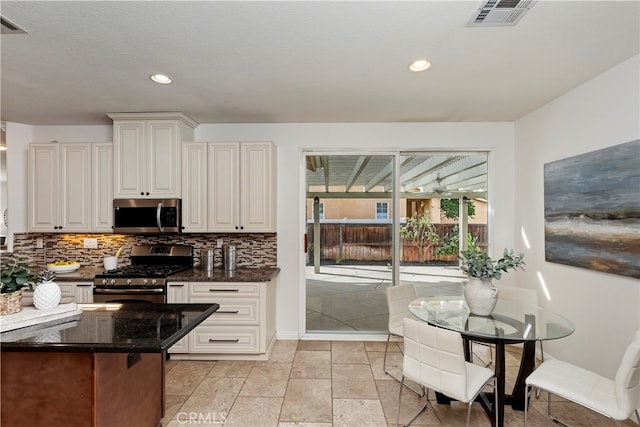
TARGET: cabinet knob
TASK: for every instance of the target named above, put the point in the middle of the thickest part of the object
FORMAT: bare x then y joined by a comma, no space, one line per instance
237,227
142,193
147,193
241,228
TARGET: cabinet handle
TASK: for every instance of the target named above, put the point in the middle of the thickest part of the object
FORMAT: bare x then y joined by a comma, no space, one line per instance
84,284
227,312
229,340
178,285
224,290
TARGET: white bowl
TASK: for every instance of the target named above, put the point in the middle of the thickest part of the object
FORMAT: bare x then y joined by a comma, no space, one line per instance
61,269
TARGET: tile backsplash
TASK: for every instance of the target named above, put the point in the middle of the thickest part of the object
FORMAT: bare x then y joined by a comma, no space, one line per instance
252,250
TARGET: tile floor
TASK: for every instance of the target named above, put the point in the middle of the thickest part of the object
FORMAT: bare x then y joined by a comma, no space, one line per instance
323,384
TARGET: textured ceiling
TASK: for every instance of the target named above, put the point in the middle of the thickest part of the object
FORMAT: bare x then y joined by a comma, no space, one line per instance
312,61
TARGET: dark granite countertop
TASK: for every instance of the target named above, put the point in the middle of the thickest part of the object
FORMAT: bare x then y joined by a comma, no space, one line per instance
111,328
253,274
83,274
256,274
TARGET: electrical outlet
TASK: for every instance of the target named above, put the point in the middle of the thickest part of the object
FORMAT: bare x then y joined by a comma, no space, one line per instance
90,243
219,243
39,243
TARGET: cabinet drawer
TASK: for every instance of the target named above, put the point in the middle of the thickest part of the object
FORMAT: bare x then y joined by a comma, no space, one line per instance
67,289
225,339
234,311
219,290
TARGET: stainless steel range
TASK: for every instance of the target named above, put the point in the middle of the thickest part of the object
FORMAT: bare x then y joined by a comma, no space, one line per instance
145,280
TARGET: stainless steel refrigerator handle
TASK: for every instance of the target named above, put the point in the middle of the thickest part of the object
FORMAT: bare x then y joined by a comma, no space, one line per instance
158,217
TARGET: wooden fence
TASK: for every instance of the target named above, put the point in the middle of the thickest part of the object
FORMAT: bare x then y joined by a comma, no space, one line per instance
344,242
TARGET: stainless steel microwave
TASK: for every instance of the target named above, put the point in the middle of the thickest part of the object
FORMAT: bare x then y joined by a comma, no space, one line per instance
147,216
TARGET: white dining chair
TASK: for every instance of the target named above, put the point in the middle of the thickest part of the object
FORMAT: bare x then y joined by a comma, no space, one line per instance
616,399
434,358
398,299
524,296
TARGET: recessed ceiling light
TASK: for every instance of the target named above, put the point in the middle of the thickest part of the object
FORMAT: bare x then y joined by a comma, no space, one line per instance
161,78
419,65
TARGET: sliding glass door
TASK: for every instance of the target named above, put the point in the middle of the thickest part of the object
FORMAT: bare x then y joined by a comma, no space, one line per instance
373,221
349,231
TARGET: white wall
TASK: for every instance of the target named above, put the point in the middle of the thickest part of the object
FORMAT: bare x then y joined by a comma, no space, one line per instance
292,139
605,308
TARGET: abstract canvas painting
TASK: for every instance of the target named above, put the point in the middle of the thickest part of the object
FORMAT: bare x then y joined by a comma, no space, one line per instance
592,210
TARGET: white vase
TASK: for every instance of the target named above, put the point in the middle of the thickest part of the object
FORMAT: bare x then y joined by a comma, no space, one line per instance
46,295
481,296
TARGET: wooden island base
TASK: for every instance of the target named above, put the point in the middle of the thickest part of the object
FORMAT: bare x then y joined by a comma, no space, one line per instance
71,389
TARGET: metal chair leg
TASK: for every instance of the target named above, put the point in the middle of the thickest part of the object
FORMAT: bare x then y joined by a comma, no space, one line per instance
400,402
384,368
486,364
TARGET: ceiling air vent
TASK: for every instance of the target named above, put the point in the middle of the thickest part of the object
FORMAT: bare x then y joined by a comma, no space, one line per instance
8,27
500,13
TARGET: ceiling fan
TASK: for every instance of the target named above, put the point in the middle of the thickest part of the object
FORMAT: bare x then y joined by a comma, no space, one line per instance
439,189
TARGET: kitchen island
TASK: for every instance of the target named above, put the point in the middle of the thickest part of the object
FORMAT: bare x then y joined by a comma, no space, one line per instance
104,367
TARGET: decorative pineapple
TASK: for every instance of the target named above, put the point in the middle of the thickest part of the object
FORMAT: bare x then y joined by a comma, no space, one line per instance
47,293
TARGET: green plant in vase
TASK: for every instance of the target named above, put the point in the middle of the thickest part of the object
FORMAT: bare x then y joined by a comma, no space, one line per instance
479,292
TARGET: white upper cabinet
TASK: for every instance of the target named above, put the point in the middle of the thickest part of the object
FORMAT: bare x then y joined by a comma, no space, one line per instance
229,187
194,187
224,199
257,187
63,194
102,197
44,195
147,153
242,187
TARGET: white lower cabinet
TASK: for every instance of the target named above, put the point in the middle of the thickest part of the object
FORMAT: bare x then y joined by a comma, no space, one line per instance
243,328
177,294
82,292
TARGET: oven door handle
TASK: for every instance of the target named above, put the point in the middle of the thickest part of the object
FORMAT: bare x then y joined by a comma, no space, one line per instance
126,291
158,211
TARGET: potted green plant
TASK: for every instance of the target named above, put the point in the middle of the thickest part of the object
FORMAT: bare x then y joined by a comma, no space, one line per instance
15,275
479,292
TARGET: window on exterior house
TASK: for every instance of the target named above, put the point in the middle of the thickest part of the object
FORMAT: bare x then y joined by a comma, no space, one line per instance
382,210
321,210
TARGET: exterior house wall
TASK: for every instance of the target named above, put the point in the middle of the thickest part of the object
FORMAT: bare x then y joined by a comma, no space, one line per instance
366,209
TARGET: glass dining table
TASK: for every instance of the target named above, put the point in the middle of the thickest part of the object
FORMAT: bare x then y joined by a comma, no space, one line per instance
511,323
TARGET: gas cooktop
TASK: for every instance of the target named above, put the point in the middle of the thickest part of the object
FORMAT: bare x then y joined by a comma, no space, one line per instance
151,271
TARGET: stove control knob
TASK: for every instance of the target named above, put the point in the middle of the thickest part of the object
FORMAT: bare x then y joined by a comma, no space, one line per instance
129,281
113,281
105,281
154,281
145,281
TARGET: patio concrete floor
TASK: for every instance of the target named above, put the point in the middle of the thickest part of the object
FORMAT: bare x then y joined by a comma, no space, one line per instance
350,298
